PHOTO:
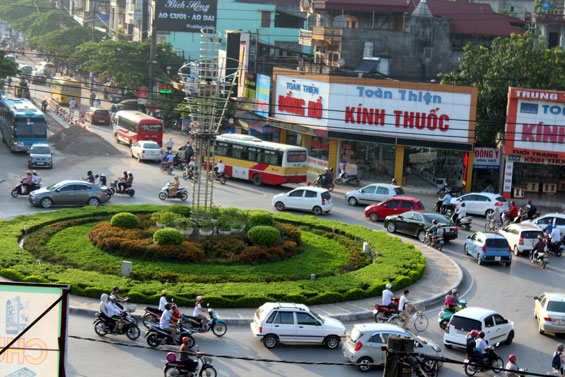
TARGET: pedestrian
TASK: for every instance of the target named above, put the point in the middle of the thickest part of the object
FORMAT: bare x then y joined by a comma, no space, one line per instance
170,144
82,113
512,367
44,104
72,105
558,361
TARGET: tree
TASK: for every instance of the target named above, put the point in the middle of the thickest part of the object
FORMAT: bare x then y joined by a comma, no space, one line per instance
520,61
64,42
7,66
46,22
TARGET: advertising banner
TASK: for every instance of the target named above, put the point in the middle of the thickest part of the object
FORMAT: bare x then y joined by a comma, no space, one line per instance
262,95
535,125
20,305
185,15
487,158
302,100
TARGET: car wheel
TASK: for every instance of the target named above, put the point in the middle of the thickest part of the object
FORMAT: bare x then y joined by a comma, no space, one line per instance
448,346
510,338
374,217
391,227
540,330
489,212
352,201
270,341
332,342
364,364
138,158
465,249
317,211
257,180
46,203
422,236
279,206
479,261
516,250
93,202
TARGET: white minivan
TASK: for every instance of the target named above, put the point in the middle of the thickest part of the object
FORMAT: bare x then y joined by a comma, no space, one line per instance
495,326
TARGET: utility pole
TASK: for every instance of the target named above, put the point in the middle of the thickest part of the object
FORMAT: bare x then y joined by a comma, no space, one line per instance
144,19
152,51
93,15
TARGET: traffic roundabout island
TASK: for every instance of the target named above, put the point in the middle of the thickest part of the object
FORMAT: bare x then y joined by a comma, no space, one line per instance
258,256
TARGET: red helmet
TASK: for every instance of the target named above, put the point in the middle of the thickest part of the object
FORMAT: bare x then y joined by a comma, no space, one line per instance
512,357
474,334
185,339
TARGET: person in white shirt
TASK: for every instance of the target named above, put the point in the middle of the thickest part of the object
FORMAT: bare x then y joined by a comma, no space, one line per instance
72,105
388,295
404,308
200,313
221,167
460,213
114,313
170,144
35,179
555,235
163,300
166,321
482,347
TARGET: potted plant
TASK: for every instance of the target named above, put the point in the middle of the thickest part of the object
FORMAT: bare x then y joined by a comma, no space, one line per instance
237,226
206,227
224,225
169,219
215,213
185,226
156,217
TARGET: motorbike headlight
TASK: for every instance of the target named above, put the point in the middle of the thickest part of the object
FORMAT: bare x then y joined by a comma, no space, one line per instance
436,348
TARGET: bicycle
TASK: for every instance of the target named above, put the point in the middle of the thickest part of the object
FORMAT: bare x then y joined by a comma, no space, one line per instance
419,320
491,225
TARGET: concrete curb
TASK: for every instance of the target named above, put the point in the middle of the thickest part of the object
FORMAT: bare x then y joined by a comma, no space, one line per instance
347,317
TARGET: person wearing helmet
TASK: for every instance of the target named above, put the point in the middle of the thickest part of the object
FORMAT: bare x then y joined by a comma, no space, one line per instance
184,356
482,347
200,313
512,367
460,213
471,347
387,297
166,321
452,300
35,180
89,177
114,313
27,183
432,232
163,300
539,247
326,177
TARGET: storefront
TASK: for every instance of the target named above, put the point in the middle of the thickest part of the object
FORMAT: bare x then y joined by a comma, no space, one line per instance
420,134
535,143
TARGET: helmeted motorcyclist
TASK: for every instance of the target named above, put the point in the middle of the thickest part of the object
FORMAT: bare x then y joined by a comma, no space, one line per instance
539,247
452,300
445,201
184,356
122,183
554,239
471,345
432,232
90,177
220,168
482,347
530,210
387,297
460,213
326,177
512,367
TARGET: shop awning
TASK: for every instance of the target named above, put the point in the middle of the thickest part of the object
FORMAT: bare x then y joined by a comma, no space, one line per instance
367,66
297,127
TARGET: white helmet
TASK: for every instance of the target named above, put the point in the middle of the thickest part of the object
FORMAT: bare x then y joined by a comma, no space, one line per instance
388,286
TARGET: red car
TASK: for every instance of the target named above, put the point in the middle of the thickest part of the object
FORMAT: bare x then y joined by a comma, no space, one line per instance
96,115
393,206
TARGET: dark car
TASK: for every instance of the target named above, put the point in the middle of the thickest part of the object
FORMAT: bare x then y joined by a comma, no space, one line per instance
96,115
416,223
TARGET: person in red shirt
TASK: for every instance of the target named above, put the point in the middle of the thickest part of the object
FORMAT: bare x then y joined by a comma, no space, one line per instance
513,211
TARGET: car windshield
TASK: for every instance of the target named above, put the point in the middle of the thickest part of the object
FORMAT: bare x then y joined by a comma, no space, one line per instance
326,195
399,190
355,334
320,318
54,187
497,243
151,146
556,306
33,128
465,324
40,150
440,219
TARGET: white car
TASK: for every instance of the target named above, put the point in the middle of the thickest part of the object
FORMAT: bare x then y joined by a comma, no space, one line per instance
549,311
555,219
521,237
364,344
495,326
276,322
146,150
481,203
373,193
306,198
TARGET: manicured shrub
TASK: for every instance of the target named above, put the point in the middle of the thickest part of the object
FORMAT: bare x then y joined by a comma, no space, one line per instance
11,274
35,279
263,235
95,292
354,294
168,236
289,233
125,220
260,218
179,209
325,298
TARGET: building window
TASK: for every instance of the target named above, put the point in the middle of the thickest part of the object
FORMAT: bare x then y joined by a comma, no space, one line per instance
553,40
319,147
294,138
265,19
348,22
370,161
433,167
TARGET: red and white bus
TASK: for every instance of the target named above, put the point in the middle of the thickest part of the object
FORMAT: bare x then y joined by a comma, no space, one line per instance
133,126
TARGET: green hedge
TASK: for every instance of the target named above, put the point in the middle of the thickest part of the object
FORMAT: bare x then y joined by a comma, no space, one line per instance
124,220
399,263
264,235
168,236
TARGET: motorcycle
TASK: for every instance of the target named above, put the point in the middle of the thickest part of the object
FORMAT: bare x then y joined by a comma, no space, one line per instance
438,242
555,248
464,222
447,211
182,193
345,179
491,361
540,259
214,175
218,327
319,182
103,326
167,167
152,315
177,369
383,313
115,189
18,190
454,191
156,336
190,174
444,316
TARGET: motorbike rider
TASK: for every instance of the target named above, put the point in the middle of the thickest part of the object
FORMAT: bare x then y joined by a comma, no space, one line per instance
168,159
539,247
512,367
554,239
326,177
97,180
163,300
117,298
190,167
387,297
530,210
184,358
482,347
438,236
174,186
404,308
166,321
460,213
432,232
471,343
102,309
446,201
89,177
512,212
200,313
114,313
129,180
330,175
27,183
122,184
35,180
452,300
103,180
220,168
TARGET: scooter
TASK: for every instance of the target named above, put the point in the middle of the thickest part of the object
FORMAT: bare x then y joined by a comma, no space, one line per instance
152,315
541,259
214,175
464,222
203,368
555,248
438,242
447,211
491,361
190,174
345,179
182,193
18,190
103,326
115,189
444,316
167,167
454,191
383,313
156,336
218,326
319,182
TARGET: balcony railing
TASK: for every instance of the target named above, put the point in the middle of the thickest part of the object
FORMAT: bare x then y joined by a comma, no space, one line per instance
329,34
305,37
554,15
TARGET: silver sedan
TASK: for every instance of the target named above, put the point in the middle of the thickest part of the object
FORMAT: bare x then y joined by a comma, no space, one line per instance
69,193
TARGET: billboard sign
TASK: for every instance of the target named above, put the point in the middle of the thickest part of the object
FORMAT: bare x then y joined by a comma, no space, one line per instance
262,95
20,305
535,126
487,158
302,100
185,15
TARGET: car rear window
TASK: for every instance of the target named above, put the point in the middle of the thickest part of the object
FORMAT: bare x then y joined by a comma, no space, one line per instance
500,199
101,112
399,190
151,146
465,324
258,314
355,334
326,195
556,306
497,243
531,234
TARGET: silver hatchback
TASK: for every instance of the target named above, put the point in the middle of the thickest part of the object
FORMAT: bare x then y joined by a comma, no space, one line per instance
69,193
40,156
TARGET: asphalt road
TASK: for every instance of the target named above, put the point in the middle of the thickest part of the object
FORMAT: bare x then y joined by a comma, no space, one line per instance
507,290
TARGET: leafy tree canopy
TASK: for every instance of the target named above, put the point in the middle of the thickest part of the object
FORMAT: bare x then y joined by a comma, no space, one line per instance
520,61
64,42
7,66
47,22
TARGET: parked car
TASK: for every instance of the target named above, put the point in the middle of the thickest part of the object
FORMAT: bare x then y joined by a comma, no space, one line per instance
488,248
396,205
521,237
364,344
69,193
38,77
549,311
276,322
96,115
374,193
146,150
495,326
416,223
40,155
555,219
481,203
315,199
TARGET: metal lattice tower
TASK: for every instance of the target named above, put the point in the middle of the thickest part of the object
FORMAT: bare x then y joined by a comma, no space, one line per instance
207,104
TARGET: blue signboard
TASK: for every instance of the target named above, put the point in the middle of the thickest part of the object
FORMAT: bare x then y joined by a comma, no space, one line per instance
262,95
